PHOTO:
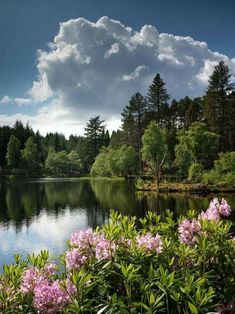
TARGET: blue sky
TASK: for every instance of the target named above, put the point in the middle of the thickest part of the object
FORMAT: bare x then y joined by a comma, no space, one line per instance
29,25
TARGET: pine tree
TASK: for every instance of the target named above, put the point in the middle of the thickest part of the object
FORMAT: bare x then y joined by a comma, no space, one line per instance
133,122
216,105
158,99
95,135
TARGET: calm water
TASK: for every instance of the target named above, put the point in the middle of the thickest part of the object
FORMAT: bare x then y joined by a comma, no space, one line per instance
41,214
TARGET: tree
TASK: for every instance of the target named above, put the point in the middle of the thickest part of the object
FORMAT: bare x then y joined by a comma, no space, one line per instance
115,162
60,163
216,103
133,122
154,149
196,144
158,99
94,132
31,157
5,134
13,152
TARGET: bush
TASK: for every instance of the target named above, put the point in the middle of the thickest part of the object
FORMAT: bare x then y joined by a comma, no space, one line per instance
223,172
159,266
195,172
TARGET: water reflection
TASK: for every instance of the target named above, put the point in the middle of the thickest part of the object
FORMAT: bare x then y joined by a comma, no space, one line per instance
41,214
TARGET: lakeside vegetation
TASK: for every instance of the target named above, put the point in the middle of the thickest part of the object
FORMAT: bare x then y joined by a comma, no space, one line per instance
160,266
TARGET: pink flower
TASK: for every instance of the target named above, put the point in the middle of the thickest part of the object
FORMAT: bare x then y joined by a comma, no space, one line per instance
84,239
33,274
150,243
29,280
215,210
105,249
49,297
189,231
224,208
74,259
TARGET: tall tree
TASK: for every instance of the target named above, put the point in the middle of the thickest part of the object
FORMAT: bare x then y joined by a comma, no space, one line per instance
5,134
154,150
216,104
95,135
13,152
158,99
133,122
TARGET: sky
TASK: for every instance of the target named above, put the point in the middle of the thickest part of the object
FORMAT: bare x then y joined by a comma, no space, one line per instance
65,61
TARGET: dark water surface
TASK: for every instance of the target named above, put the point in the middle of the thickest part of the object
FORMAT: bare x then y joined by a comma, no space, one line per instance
42,213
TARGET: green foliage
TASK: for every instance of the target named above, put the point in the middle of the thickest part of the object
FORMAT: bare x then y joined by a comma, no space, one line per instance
101,166
196,144
223,171
115,162
59,163
154,149
13,152
96,138
182,278
218,106
157,100
195,172
30,157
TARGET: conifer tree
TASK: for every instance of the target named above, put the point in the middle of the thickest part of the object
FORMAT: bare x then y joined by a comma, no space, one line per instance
217,108
158,99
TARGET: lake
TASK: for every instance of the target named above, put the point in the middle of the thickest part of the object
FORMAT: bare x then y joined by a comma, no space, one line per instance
40,214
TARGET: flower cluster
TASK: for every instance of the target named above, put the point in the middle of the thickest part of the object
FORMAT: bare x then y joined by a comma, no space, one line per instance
189,230
33,274
48,294
105,249
87,244
150,243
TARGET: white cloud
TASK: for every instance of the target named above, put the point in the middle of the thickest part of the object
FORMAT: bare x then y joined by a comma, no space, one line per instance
94,68
85,62
134,75
6,100
22,101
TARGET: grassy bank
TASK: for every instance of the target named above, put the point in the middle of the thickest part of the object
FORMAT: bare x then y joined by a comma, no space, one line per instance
173,187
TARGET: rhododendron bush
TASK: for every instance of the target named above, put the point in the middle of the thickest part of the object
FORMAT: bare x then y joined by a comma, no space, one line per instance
148,265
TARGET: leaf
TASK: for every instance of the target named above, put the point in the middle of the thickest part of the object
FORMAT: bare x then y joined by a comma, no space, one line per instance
103,309
193,308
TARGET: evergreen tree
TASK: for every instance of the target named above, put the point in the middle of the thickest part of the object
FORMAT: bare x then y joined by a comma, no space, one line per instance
133,122
217,108
158,99
13,152
95,134
5,134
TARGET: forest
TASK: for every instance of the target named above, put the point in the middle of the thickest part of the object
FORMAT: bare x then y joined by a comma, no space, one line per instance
191,140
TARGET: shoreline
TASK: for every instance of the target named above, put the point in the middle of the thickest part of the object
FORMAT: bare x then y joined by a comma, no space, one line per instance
201,189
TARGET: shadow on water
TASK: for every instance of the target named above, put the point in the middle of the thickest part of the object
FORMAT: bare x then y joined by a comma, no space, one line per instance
29,209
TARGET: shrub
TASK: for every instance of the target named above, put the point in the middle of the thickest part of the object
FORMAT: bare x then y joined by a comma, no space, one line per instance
195,172
223,171
159,266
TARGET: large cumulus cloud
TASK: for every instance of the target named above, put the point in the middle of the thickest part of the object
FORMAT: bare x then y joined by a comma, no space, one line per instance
97,66
94,68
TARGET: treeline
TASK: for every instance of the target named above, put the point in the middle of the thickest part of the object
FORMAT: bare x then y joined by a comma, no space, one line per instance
185,136
180,139
25,152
